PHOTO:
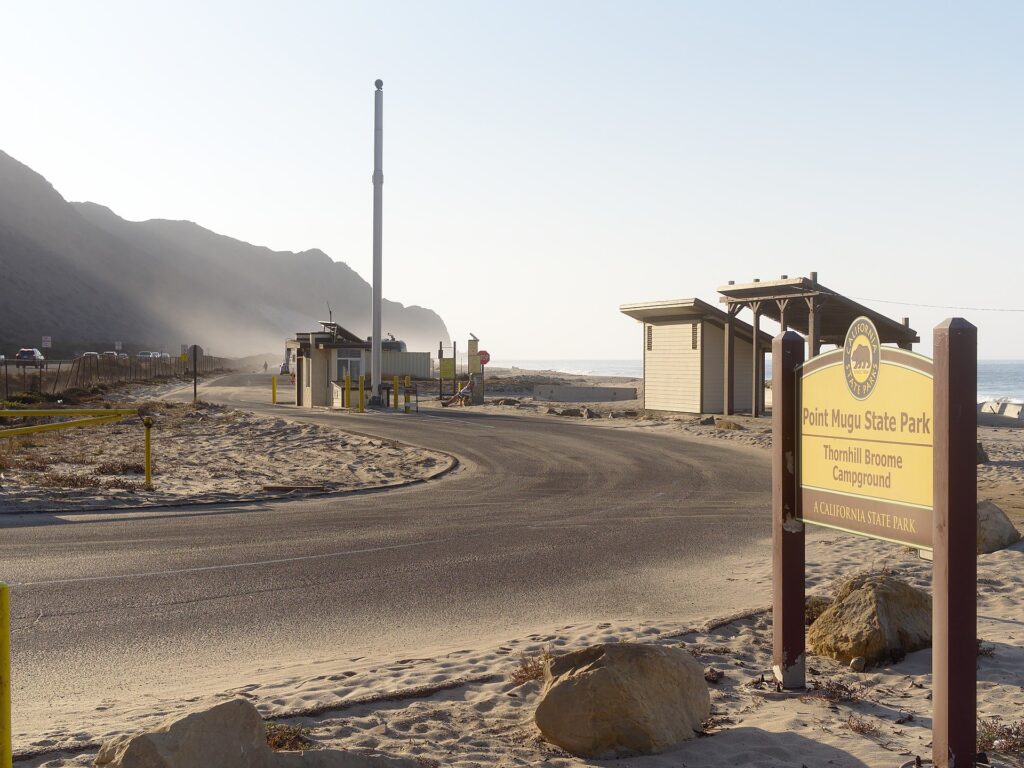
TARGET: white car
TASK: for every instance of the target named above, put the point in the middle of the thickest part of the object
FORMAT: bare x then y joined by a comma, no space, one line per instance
144,356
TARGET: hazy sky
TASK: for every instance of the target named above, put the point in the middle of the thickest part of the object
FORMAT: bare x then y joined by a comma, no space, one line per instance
545,162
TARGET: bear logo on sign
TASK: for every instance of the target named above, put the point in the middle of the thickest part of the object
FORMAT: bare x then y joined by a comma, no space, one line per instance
861,358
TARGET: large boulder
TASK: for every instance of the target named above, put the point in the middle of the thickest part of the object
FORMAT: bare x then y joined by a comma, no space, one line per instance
230,735
875,616
622,699
995,531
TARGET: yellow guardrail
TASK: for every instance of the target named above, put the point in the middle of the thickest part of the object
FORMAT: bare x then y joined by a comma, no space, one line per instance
93,417
5,677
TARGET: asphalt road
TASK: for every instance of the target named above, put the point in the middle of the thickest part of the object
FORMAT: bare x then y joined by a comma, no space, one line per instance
546,522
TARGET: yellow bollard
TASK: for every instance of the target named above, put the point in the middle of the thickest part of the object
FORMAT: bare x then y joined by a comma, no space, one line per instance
394,390
407,406
408,381
147,421
273,389
5,676
346,399
362,395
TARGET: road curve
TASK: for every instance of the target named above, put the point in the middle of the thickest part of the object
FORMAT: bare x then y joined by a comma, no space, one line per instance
546,522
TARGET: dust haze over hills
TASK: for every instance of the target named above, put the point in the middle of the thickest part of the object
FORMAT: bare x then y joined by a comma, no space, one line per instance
86,277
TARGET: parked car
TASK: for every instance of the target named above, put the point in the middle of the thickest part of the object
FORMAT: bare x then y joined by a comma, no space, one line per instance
91,354
111,355
30,356
144,356
122,356
165,356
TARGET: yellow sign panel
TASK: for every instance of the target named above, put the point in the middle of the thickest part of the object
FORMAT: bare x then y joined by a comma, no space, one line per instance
447,367
474,364
866,428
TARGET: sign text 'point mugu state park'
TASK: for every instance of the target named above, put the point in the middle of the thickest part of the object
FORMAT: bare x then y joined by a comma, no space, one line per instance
880,441
866,429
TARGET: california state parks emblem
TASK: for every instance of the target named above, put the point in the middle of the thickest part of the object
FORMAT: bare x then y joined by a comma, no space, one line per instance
861,356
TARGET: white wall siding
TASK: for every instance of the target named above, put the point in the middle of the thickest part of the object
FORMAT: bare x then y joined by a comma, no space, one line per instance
672,368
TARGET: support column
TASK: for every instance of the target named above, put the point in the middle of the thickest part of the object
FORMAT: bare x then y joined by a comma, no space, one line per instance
787,529
782,304
755,393
955,569
728,370
813,329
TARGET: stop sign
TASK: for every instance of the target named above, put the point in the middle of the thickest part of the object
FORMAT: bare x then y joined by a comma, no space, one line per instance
485,357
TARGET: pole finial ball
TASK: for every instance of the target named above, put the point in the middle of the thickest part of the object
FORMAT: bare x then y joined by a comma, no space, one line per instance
380,85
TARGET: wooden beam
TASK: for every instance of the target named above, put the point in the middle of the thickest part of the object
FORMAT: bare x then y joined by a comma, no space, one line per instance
755,396
728,390
787,528
954,541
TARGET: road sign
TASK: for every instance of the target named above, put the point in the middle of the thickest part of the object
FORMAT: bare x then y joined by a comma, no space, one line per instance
47,342
866,440
485,357
117,346
183,357
447,366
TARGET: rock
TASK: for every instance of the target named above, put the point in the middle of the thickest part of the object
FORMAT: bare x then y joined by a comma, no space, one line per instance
506,401
858,663
230,735
622,699
982,454
552,411
995,531
721,423
587,413
570,412
876,616
707,421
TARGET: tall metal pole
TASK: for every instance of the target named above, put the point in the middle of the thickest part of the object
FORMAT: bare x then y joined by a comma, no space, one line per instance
378,193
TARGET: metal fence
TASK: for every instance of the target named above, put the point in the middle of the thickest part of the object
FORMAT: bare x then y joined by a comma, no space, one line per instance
53,376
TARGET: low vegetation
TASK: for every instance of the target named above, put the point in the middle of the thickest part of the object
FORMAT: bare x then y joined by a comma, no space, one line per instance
289,738
530,667
862,725
995,735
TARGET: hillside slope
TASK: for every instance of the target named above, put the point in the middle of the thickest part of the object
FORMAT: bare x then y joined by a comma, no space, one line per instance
86,277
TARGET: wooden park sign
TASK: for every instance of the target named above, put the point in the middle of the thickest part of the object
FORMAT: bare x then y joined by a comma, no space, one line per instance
881,442
866,446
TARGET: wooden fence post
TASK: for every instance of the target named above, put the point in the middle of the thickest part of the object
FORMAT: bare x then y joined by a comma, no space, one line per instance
787,528
955,576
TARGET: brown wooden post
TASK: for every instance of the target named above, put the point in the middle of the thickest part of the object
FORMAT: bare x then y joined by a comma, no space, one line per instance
728,370
813,331
787,528
955,575
755,390
782,304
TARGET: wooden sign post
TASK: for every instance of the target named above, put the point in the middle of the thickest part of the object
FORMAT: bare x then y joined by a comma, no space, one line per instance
880,442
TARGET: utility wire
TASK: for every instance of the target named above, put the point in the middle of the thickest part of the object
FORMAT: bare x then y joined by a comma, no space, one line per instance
938,306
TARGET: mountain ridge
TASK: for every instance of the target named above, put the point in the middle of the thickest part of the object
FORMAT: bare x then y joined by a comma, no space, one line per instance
80,273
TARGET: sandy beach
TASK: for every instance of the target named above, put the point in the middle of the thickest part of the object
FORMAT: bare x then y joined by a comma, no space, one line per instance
202,454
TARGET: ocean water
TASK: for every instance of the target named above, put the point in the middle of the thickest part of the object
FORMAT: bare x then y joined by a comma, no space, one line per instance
996,378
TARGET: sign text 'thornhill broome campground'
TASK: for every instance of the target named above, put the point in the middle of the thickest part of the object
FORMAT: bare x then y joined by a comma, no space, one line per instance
866,439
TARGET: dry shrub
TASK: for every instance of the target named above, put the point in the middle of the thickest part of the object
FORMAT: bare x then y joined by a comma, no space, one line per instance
120,484
832,690
120,468
65,480
862,725
531,667
985,650
1003,738
289,738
